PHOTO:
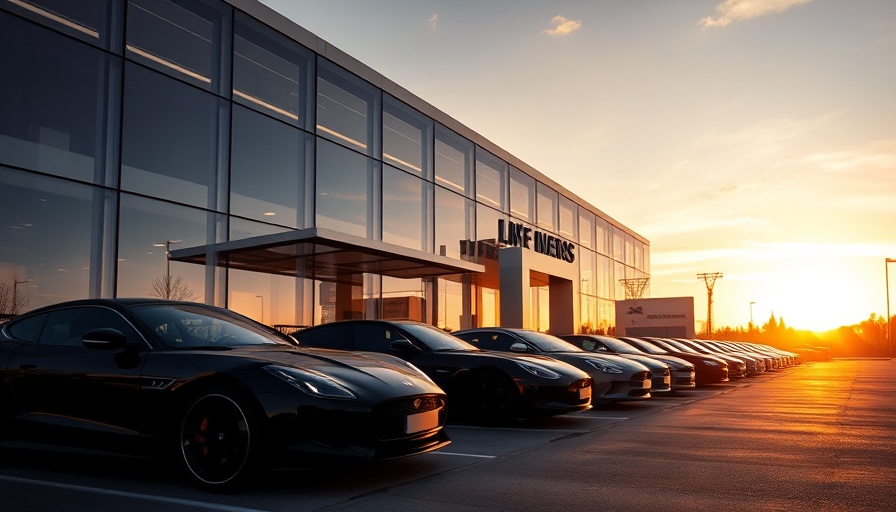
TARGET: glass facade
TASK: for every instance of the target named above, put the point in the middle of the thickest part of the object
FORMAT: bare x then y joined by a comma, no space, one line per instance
133,128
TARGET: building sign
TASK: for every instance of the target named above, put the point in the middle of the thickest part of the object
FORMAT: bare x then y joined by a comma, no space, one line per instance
518,235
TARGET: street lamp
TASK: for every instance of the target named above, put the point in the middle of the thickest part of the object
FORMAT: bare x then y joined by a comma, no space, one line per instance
751,316
167,246
262,307
887,281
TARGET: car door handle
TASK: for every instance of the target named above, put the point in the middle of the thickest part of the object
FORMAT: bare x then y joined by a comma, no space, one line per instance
27,366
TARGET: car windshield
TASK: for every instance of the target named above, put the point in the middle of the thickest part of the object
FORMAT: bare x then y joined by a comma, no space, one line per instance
188,327
619,346
548,343
648,347
436,339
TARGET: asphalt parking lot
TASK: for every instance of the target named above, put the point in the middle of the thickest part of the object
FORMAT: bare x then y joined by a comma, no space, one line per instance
821,436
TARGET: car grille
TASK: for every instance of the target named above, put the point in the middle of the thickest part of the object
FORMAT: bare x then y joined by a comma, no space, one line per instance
640,376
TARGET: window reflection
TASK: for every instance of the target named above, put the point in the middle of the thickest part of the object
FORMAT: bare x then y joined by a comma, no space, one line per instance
453,220
347,109
180,38
403,298
44,126
454,161
546,207
267,169
170,138
404,214
344,195
407,136
267,298
82,19
522,195
450,310
42,215
586,229
147,228
491,173
568,218
271,73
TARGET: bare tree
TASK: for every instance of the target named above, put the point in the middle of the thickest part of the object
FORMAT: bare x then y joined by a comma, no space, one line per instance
172,288
12,300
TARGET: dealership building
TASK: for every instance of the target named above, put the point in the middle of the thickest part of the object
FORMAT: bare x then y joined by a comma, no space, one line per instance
215,151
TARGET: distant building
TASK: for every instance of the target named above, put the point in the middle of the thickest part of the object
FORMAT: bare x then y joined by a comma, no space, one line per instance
667,317
215,151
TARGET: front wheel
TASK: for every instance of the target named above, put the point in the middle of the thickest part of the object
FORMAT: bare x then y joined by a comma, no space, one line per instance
217,440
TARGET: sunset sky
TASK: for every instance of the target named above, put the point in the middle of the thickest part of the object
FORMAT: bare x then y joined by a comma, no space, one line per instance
753,138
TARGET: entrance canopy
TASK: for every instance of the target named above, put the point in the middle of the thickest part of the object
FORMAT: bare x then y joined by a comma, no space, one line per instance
325,255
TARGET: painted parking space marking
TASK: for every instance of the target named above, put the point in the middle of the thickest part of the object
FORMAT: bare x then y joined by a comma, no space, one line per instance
149,497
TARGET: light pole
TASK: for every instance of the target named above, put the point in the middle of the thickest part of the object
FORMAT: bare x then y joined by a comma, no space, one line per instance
262,307
14,307
167,246
887,281
751,316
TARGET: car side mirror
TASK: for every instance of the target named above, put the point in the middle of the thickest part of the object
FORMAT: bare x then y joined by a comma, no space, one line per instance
403,345
519,347
105,339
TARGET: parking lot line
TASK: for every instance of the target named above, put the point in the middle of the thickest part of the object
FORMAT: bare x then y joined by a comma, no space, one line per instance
134,495
464,455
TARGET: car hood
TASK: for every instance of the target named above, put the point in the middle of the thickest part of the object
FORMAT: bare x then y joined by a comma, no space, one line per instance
356,370
484,357
625,364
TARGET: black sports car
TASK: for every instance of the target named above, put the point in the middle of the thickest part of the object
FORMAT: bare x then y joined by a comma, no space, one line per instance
490,387
224,395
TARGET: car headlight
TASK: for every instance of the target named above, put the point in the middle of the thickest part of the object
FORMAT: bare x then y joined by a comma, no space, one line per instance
314,384
604,367
539,371
709,362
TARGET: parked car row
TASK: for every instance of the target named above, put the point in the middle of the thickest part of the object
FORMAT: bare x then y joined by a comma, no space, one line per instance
227,398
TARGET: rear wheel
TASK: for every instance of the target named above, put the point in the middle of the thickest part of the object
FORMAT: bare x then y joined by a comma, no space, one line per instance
491,399
218,438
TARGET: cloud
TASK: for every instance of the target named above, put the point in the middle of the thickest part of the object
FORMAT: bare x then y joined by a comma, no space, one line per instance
734,10
434,22
562,26
854,160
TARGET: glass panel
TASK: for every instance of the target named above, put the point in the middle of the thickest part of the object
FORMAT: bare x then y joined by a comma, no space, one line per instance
488,303
148,229
450,309
453,222
604,277
267,169
169,140
84,19
601,236
547,207
271,72
267,298
589,319
587,277
454,161
487,226
618,276
568,218
586,229
47,230
338,301
629,249
182,38
522,195
404,200
491,173
407,138
403,298
347,109
618,245
606,314
52,100
241,228
344,190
